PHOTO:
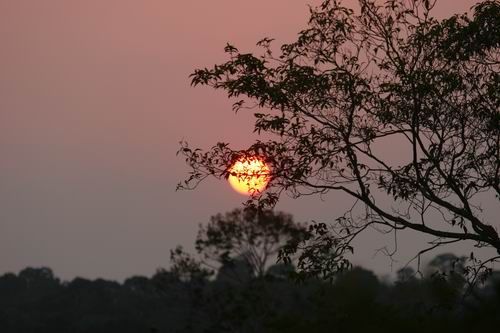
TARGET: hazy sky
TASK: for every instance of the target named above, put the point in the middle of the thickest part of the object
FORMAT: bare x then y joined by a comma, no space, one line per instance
94,98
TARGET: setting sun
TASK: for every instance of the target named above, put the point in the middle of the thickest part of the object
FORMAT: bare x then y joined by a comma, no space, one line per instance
249,175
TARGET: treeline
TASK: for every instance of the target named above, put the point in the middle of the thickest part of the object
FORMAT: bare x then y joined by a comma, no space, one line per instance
233,284
236,300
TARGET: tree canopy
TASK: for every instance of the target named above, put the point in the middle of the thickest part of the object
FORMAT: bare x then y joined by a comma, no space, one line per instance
353,82
247,239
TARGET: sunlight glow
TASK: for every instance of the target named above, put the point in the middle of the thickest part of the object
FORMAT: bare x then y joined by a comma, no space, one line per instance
249,175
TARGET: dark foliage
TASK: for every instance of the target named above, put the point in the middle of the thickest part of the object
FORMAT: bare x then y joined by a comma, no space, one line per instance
238,297
353,83
357,301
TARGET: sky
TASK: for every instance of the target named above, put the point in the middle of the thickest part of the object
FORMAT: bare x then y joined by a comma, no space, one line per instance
94,98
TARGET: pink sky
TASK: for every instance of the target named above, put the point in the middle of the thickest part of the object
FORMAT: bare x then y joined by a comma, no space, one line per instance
94,97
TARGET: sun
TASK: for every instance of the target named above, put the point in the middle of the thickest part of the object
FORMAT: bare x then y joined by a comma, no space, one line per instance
249,175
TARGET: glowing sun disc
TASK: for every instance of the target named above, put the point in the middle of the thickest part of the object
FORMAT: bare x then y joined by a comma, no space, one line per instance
249,175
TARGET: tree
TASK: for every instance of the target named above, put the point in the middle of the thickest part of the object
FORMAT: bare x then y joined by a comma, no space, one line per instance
446,273
252,235
188,269
353,82
245,239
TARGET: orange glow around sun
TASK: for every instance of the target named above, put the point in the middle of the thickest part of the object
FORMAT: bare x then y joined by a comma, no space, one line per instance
249,175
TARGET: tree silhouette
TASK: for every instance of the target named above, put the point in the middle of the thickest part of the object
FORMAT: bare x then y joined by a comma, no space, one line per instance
34,300
354,83
242,242
252,235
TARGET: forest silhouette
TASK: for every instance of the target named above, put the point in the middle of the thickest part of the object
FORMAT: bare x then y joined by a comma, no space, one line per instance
35,300
234,292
